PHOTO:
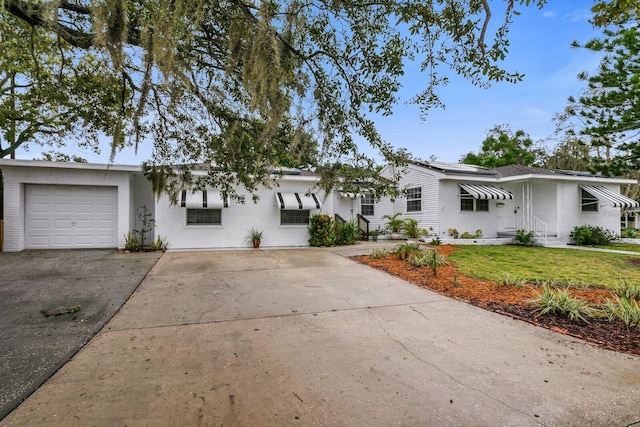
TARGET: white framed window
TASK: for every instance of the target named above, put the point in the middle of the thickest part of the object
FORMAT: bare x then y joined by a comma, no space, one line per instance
589,202
294,217
468,203
367,205
204,216
414,199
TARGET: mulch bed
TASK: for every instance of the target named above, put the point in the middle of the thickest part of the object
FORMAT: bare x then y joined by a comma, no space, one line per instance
512,301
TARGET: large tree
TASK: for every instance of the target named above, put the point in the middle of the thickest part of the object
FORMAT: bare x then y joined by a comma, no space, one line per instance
504,147
221,82
606,116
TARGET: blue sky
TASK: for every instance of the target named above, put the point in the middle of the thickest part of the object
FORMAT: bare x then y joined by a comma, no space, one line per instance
540,48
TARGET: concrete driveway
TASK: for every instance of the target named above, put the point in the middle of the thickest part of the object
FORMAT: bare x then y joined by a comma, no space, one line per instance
33,346
307,337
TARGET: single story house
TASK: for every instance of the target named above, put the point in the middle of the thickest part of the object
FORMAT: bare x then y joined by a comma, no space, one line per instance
499,201
50,205
54,205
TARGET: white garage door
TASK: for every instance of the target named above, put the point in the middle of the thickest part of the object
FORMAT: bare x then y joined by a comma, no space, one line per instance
67,216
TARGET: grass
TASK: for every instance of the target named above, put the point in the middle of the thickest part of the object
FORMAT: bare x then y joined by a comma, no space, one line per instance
629,247
539,264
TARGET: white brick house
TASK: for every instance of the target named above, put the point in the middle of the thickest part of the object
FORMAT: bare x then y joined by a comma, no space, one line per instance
49,205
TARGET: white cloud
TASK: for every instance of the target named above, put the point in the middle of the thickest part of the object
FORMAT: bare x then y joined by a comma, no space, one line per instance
549,14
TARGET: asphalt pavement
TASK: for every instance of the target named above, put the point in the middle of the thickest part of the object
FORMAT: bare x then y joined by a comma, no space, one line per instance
52,303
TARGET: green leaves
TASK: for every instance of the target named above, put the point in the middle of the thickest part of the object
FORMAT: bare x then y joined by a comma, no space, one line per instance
225,83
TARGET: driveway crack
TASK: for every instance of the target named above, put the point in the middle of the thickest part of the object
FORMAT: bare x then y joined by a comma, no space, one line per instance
437,368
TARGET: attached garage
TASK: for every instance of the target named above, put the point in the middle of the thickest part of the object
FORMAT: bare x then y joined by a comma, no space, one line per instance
56,205
70,216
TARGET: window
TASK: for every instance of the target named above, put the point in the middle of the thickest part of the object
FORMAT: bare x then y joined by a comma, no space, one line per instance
294,217
414,199
470,204
589,202
204,216
366,205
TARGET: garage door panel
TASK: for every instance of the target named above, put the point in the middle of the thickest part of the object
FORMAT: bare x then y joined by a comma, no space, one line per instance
60,216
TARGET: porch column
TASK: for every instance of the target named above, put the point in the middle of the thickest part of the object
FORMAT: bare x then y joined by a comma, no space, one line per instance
527,207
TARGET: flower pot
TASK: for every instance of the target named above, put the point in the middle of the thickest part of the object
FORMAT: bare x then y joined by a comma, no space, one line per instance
256,244
374,238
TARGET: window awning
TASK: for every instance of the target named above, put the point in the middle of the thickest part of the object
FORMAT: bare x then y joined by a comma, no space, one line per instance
610,197
296,201
351,195
207,199
486,192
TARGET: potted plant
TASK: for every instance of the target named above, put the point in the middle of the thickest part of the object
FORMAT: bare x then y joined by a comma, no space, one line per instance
374,234
394,225
255,237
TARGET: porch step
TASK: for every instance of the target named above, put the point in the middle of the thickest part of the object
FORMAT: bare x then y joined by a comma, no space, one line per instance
552,242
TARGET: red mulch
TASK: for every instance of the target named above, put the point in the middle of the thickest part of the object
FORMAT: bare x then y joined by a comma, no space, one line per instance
512,301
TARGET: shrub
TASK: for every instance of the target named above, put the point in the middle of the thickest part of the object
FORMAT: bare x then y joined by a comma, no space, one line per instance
623,309
524,238
411,228
427,258
517,282
322,230
453,232
406,249
627,289
132,243
377,253
589,235
347,233
160,244
559,302
435,241
630,233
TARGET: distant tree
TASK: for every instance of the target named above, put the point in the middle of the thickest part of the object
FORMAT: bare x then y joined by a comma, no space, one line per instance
56,156
503,147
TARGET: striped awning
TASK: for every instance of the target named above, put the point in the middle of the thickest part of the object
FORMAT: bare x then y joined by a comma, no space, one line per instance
610,197
297,201
207,199
351,195
486,192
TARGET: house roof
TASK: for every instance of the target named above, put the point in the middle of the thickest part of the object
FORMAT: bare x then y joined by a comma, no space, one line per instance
513,172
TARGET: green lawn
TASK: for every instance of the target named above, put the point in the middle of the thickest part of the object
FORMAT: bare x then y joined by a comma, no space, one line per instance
538,263
629,247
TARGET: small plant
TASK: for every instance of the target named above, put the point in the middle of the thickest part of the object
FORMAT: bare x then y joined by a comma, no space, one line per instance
466,235
477,234
427,258
589,235
627,289
347,233
623,309
456,282
630,233
131,242
454,233
394,223
559,302
524,238
435,241
160,244
406,249
145,218
411,228
378,253
254,237
517,282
